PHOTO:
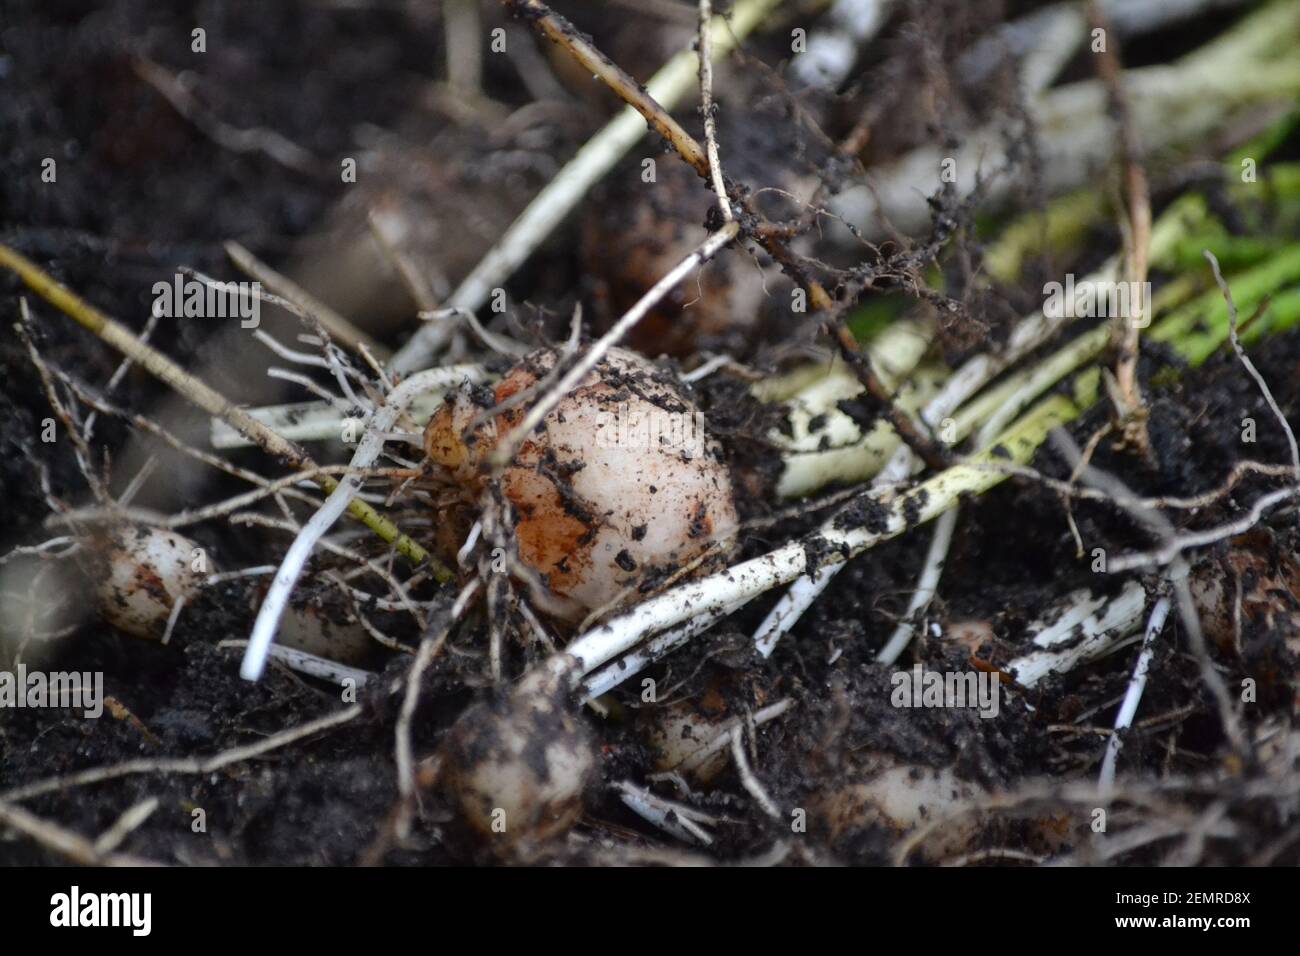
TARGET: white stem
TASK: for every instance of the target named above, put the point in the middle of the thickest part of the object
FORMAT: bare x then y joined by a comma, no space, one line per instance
1030,333
1133,696
629,665
313,665
676,819
848,455
925,588
704,600
1085,629
793,604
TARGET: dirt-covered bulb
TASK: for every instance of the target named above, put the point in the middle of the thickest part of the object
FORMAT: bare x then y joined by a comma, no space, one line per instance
621,482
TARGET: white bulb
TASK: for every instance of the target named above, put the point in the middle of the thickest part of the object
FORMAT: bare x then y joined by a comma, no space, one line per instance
622,481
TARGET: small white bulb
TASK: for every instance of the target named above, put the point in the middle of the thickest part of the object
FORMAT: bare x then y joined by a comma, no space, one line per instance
147,570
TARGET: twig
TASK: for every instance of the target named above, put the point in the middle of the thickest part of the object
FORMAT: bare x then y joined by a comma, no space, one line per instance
706,108
772,237
1130,410
912,432
1193,503
85,460
88,428
183,765
559,31
431,644
1173,545
1249,365
256,140
62,841
336,325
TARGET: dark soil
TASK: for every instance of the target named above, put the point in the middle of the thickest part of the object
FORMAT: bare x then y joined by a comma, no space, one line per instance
142,190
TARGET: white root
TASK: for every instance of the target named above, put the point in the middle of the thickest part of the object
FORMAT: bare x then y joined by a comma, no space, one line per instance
792,606
700,758
320,421
678,820
747,778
